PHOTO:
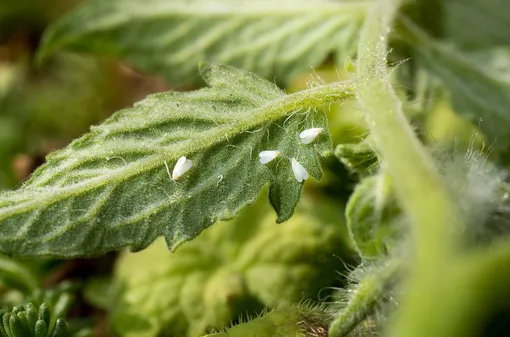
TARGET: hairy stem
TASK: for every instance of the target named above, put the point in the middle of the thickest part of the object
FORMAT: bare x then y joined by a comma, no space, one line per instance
420,190
473,290
419,187
366,296
480,288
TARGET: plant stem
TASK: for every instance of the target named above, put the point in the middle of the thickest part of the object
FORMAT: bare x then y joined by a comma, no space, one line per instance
474,288
420,190
368,292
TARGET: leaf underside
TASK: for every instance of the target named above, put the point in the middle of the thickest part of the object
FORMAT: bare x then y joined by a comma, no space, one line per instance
169,38
111,188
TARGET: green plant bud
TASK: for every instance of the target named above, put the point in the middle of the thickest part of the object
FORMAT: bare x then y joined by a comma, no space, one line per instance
3,333
17,328
24,321
233,268
41,329
31,314
44,313
60,329
5,323
17,309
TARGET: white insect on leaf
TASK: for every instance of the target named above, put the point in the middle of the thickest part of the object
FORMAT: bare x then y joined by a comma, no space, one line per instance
307,136
182,166
299,171
267,156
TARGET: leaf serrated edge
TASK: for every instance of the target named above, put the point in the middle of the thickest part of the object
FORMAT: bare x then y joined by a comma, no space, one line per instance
314,97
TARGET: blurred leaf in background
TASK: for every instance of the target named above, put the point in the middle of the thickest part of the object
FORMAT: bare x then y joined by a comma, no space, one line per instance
44,106
171,37
234,268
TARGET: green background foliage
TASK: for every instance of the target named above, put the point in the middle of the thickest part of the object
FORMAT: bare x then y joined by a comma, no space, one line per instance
168,37
400,231
234,266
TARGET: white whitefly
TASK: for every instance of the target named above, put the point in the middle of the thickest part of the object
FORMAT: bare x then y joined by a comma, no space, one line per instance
182,166
267,156
299,171
307,136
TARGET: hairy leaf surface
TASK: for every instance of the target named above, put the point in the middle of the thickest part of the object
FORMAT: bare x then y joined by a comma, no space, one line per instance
169,38
112,187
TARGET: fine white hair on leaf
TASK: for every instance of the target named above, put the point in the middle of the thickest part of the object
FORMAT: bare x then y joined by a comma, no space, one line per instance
116,157
267,156
182,166
299,171
307,136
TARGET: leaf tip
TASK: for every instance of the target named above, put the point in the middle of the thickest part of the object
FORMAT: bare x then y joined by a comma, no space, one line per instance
283,215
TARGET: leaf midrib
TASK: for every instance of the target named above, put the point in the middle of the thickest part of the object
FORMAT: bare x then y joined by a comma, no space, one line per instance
265,114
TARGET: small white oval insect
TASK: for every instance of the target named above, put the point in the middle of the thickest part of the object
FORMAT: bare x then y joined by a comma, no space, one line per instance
267,156
307,136
299,171
182,166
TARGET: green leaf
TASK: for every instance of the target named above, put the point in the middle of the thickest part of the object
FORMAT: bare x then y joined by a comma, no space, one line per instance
488,20
372,214
360,158
60,329
235,268
478,93
170,37
112,187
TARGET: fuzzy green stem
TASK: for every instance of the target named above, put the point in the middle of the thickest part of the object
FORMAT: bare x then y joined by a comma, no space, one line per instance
472,290
420,190
366,296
